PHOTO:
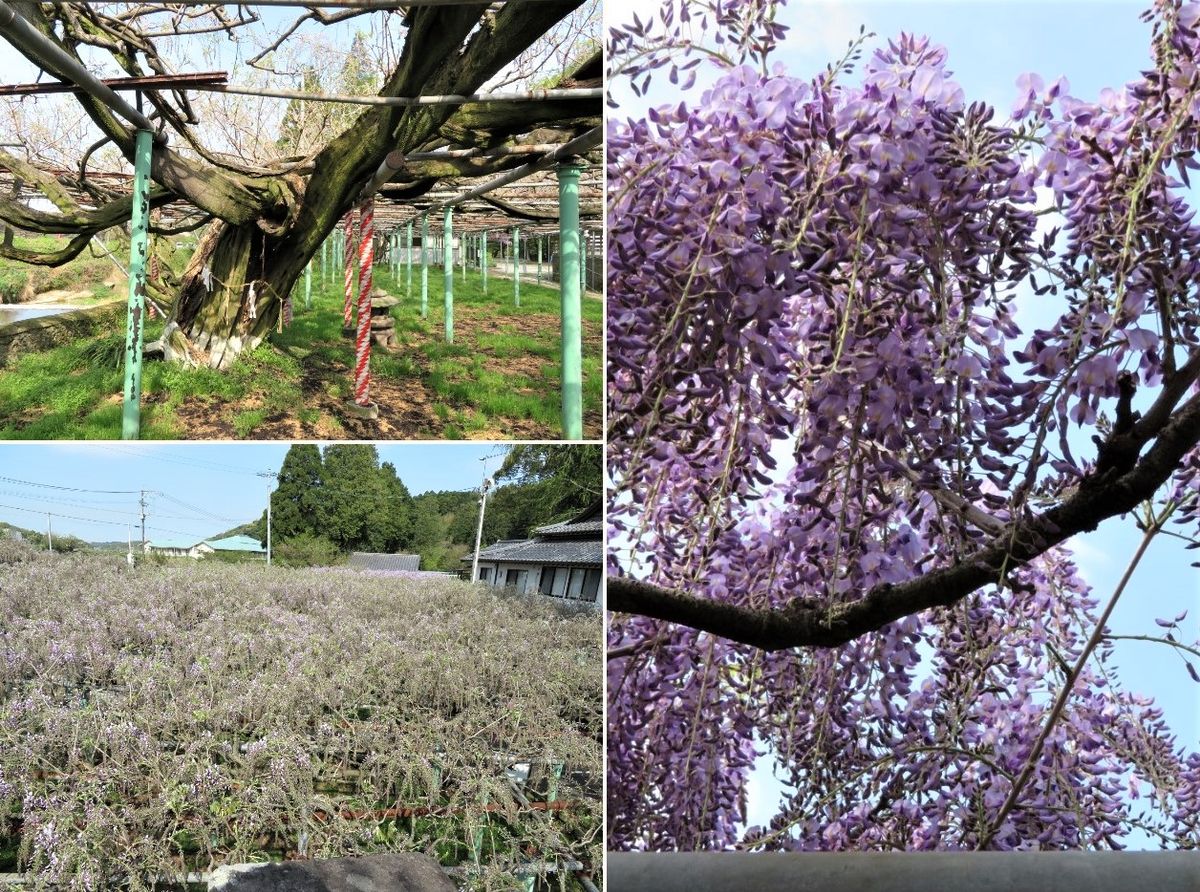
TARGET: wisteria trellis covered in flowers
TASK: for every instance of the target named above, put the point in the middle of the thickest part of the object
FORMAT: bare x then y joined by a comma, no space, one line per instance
163,721
831,267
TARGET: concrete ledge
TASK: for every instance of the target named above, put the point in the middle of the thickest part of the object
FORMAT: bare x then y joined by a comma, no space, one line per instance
45,332
904,871
407,872
369,411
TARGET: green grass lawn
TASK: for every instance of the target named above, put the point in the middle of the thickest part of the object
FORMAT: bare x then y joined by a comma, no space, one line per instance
499,379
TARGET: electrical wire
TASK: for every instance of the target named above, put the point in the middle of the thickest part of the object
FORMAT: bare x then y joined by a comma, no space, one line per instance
109,492
202,511
203,463
111,523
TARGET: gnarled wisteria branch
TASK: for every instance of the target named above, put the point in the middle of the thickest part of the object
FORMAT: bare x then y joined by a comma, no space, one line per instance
1096,500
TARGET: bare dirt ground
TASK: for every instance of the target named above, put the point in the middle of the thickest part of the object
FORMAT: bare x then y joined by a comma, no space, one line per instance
406,408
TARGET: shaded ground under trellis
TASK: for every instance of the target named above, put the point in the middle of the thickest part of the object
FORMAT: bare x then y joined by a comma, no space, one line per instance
499,380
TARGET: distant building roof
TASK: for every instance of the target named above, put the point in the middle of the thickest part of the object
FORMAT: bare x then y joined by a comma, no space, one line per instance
237,543
584,525
366,560
576,542
181,544
573,552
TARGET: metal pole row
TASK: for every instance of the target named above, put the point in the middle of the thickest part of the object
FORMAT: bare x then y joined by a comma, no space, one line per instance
448,274
407,101
569,293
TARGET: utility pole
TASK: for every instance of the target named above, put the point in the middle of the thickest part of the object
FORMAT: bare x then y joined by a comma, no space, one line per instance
142,502
270,476
487,484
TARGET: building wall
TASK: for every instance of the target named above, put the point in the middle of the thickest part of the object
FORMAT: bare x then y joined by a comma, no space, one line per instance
530,582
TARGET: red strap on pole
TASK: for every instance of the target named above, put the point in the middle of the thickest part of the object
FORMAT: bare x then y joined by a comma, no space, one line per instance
351,248
366,263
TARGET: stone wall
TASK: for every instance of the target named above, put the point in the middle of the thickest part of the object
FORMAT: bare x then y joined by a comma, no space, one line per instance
45,332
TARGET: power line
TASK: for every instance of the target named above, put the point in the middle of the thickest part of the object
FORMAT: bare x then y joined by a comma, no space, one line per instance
110,523
73,503
202,511
204,463
110,492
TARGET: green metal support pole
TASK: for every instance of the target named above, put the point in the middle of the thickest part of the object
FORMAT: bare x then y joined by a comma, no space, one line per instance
539,241
583,249
424,267
408,257
448,273
484,259
308,286
569,290
131,414
462,256
517,265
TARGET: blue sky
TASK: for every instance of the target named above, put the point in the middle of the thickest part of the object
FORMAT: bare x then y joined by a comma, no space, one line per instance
216,482
1095,45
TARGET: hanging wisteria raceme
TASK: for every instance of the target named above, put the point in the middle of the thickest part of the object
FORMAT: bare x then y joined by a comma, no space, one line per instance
820,397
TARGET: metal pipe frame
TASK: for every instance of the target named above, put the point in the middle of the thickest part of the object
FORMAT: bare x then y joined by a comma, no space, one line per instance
1175,871
22,35
578,146
408,101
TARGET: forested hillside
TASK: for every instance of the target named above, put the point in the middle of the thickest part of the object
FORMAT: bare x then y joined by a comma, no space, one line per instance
342,499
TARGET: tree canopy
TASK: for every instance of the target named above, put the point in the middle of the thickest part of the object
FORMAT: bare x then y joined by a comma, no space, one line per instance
345,497
275,180
843,473
345,500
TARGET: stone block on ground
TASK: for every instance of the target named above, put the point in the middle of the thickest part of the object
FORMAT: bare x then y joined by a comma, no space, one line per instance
406,872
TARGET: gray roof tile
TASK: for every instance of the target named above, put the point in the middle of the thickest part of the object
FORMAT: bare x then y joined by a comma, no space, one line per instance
583,553
366,560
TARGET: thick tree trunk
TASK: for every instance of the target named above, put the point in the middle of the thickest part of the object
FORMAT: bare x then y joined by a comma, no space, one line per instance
231,294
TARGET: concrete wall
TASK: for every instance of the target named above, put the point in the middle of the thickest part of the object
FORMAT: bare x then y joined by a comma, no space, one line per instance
1177,871
45,332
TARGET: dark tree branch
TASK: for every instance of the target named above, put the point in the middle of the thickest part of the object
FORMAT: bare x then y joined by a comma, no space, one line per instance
1100,498
48,258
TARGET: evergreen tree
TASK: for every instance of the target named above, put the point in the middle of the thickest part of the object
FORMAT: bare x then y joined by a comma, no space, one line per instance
351,494
304,123
296,501
563,480
391,526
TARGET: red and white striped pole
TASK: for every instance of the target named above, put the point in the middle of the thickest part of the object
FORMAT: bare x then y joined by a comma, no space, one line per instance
366,263
350,251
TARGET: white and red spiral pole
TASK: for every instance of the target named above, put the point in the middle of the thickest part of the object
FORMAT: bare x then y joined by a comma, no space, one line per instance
348,256
366,263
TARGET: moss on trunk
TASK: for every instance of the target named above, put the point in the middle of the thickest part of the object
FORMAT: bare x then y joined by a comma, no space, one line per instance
231,294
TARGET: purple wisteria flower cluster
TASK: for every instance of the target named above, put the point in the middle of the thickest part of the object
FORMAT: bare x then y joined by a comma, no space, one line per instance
160,721
819,389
